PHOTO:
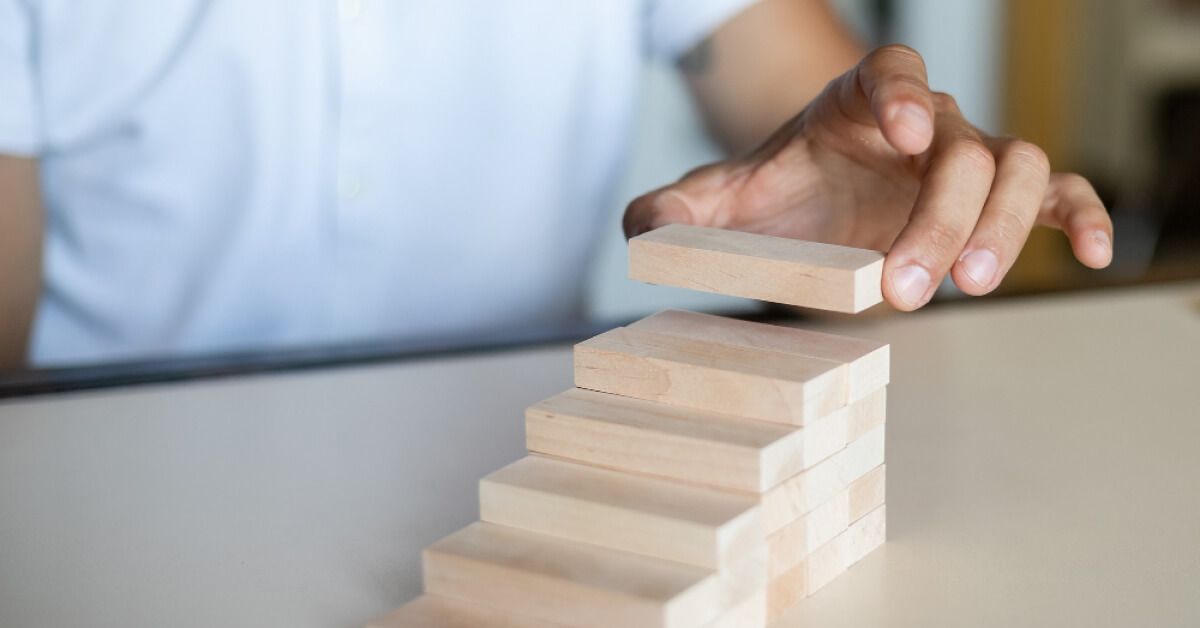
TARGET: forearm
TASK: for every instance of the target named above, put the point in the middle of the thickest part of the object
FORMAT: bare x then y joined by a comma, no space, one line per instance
20,256
763,66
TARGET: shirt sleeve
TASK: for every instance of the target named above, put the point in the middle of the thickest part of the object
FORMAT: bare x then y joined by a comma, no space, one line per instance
676,26
19,131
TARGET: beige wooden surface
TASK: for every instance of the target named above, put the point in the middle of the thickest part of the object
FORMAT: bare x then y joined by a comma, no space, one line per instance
779,270
1043,463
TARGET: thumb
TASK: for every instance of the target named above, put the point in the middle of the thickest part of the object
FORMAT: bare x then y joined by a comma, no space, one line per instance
693,200
664,206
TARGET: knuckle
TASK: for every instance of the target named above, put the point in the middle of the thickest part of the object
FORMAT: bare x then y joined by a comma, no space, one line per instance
1074,182
942,242
1028,155
972,152
1010,226
899,51
944,101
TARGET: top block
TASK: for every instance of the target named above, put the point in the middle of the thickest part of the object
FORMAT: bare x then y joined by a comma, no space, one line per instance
780,270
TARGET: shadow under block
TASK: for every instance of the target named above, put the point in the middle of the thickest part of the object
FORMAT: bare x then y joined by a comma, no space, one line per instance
541,577
707,448
768,268
867,361
699,526
691,373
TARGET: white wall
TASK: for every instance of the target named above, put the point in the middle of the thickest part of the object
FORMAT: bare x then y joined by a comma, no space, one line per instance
962,42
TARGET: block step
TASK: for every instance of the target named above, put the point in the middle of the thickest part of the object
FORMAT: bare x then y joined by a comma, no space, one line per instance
867,361
690,524
685,444
704,375
555,580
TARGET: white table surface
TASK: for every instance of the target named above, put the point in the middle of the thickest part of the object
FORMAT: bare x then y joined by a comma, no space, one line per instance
1043,470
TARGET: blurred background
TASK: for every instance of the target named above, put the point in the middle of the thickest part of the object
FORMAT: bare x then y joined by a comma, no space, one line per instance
1109,88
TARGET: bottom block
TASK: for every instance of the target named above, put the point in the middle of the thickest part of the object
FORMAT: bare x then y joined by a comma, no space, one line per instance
826,563
582,585
432,611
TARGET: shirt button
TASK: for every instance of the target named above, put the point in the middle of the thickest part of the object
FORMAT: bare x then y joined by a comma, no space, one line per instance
350,9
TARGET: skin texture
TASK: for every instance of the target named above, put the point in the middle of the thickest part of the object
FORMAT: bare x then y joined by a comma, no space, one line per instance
20,256
875,160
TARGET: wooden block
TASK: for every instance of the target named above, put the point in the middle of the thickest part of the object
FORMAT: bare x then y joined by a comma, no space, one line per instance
780,270
750,613
792,544
826,563
866,414
865,535
866,360
809,489
432,611
867,493
708,448
686,372
542,577
690,524
786,591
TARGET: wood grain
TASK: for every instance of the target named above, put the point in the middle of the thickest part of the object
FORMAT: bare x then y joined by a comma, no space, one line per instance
555,580
793,543
809,489
690,524
780,270
827,563
867,361
691,373
691,445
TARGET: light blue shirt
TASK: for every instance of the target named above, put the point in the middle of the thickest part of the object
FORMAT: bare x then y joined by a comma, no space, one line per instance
227,174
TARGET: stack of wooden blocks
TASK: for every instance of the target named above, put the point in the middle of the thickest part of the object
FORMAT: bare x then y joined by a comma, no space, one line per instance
704,472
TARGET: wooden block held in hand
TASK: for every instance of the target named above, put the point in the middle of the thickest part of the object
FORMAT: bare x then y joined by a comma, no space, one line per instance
866,360
700,526
780,270
708,448
756,384
542,577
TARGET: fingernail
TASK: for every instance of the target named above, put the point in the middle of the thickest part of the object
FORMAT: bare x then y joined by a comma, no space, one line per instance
1102,239
910,283
981,266
914,119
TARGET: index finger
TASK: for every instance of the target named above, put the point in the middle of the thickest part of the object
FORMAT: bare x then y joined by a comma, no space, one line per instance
896,88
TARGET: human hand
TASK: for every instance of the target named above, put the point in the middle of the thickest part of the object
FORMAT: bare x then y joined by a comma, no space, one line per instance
880,161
